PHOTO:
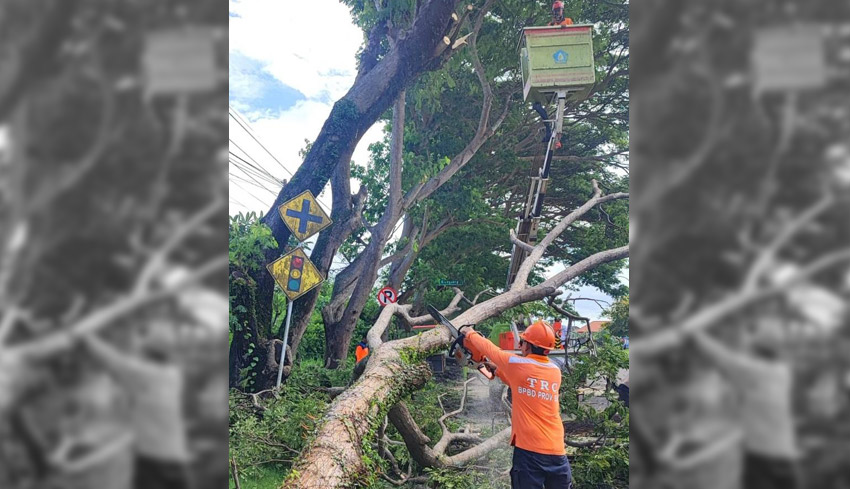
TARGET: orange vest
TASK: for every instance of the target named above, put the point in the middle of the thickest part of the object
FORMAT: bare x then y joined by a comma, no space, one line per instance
536,423
566,21
557,327
360,353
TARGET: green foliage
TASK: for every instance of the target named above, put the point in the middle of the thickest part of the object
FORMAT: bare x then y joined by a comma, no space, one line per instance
248,238
619,314
260,477
449,479
267,441
606,465
312,346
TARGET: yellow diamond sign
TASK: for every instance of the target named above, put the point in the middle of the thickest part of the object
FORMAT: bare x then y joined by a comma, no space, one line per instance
303,216
295,273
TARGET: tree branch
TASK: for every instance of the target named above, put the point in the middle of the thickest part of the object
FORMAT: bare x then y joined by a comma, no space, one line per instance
527,247
482,133
48,345
157,260
711,314
443,444
767,254
537,252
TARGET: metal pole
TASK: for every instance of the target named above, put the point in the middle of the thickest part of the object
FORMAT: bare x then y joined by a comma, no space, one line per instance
285,339
547,161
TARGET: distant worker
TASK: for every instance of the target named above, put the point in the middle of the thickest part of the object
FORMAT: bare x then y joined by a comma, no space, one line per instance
154,383
560,334
558,15
537,432
764,384
362,350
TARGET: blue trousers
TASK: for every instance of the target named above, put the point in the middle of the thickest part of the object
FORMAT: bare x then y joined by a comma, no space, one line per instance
538,471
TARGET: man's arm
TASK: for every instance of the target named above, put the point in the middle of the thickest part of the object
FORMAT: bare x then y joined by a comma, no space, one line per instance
481,347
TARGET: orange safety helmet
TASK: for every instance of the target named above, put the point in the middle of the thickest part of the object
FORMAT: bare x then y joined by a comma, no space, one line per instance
540,334
557,4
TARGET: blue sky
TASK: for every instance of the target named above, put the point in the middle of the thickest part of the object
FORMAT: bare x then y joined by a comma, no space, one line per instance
254,91
285,75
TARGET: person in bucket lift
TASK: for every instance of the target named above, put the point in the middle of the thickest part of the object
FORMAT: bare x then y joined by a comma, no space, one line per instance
558,15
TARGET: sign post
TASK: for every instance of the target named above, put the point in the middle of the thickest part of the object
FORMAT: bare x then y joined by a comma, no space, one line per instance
294,272
283,348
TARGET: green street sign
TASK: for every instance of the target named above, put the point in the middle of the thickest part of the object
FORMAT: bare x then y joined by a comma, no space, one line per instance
450,283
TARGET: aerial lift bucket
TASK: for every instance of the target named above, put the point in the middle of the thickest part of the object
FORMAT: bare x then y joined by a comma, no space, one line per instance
557,59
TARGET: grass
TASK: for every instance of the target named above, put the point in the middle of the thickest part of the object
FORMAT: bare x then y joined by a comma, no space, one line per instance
268,478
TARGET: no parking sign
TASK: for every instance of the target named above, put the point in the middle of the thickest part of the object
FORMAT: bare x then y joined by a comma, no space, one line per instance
387,295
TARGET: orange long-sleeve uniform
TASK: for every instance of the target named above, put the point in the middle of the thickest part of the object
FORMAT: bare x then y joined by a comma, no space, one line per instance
566,21
534,381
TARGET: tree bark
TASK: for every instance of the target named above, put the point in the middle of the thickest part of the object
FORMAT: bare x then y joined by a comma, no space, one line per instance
249,349
376,87
333,459
338,334
339,325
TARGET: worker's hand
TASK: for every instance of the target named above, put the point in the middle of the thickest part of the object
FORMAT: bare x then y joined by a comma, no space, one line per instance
459,355
490,365
466,329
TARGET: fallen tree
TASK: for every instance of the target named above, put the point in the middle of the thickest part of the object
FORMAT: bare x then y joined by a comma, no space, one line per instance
335,458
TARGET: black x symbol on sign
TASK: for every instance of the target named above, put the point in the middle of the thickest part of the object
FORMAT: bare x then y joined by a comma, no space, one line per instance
304,217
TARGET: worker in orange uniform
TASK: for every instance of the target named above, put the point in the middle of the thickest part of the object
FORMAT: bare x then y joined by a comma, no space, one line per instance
537,432
560,343
362,351
558,15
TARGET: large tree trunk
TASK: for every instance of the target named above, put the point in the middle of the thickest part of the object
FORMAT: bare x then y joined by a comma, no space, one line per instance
339,329
334,459
338,334
249,349
377,85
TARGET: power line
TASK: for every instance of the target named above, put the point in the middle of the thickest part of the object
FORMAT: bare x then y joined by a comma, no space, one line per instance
253,161
235,116
255,182
251,169
249,193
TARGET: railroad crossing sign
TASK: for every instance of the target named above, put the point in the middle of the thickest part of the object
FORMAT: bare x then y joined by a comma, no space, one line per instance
295,274
303,216
387,295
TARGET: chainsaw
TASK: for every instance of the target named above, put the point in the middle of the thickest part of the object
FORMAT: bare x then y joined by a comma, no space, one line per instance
457,349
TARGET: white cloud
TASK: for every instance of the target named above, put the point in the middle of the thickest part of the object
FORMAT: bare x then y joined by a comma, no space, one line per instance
284,136
309,46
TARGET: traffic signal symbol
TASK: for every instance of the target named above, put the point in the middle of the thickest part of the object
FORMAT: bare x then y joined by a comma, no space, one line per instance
295,269
295,274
